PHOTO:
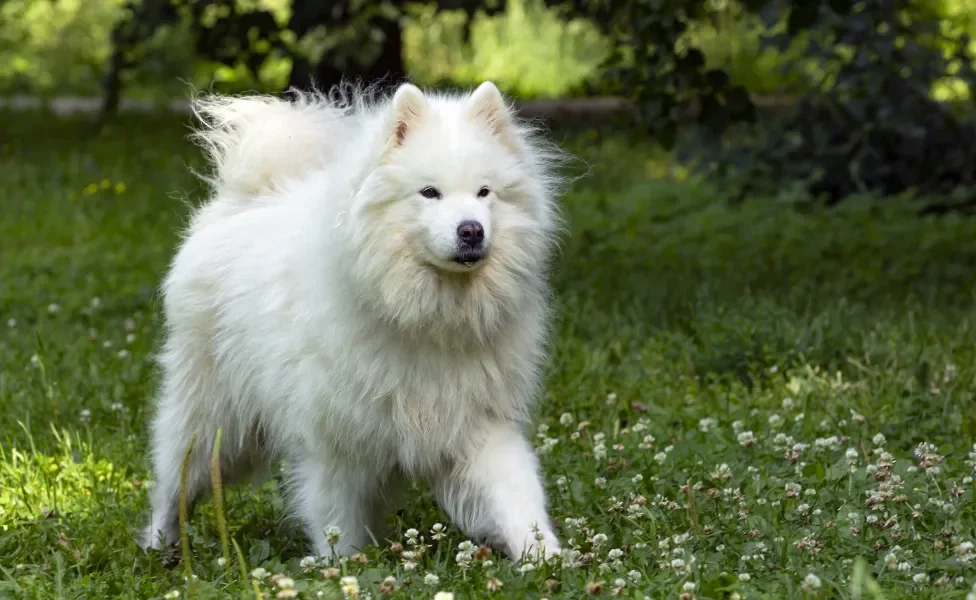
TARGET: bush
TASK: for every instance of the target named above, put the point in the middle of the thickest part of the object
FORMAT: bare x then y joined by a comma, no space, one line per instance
48,47
529,50
873,124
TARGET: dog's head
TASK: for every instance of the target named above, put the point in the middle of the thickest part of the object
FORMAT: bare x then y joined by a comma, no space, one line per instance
456,220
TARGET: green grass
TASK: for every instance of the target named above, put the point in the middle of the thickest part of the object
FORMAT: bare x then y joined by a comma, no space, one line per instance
712,368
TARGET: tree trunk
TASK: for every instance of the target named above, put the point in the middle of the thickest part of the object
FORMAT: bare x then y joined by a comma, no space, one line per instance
389,64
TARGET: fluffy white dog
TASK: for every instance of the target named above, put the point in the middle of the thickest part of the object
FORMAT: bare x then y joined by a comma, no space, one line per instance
364,296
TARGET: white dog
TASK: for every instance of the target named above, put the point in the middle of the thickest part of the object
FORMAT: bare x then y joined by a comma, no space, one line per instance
365,297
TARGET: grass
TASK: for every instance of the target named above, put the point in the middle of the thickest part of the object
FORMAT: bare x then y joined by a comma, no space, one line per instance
751,402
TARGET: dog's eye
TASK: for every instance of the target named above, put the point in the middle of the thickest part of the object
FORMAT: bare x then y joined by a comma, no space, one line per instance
483,192
430,192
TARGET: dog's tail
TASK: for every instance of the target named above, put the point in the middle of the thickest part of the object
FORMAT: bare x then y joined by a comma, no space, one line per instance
255,142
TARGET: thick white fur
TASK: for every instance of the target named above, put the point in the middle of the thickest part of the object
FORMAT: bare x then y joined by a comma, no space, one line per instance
313,313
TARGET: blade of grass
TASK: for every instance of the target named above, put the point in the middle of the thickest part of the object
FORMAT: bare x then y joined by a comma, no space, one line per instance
184,538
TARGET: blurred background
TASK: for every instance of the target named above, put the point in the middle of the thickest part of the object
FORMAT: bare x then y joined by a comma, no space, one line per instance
862,93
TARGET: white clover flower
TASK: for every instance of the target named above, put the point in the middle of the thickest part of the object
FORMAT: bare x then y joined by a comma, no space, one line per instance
443,596
566,418
878,439
259,573
634,576
744,577
722,472
747,439
677,563
11,323
526,567
437,532
615,553
688,587
411,533
964,553
285,583
172,594
707,424
851,455
333,535
53,308
775,421
787,403
431,579
600,482
84,415
598,540
811,582
737,426
660,457
920,578
307,563
599,451
904,566
349,586
803,508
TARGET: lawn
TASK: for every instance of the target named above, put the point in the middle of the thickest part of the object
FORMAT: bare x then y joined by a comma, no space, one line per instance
751,402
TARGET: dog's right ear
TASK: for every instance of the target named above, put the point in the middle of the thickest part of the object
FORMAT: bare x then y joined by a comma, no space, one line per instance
409,110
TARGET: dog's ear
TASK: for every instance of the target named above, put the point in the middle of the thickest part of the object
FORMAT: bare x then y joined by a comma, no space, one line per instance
488,106
409,110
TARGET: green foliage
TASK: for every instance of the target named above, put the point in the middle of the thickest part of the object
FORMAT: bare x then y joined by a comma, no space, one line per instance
691,334
46,46
732,40
872,123
660,69
530,50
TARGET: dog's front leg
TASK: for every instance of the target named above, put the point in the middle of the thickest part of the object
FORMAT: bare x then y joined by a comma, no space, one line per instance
331,493
493,491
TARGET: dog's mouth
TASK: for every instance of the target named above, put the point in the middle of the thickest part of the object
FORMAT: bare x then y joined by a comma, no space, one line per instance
469,257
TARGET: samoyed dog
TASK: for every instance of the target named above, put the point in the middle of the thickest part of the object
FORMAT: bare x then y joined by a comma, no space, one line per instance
364,296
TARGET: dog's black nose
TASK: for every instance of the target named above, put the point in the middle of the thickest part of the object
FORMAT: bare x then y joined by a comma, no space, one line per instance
471,233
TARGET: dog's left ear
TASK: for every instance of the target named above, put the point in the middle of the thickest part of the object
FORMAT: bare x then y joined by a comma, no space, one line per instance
487,105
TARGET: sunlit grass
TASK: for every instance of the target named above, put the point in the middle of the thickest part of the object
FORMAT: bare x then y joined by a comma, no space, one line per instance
752,401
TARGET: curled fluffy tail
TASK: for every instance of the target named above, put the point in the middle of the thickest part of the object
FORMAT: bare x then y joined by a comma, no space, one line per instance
255,142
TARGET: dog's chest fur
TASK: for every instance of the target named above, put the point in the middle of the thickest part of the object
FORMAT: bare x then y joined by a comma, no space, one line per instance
418,404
